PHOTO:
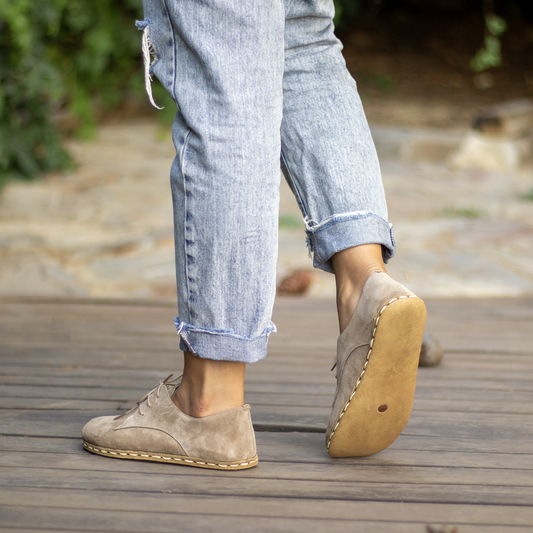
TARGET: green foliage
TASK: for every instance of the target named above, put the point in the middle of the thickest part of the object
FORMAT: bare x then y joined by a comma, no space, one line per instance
95,49
29,142
60,53
490,55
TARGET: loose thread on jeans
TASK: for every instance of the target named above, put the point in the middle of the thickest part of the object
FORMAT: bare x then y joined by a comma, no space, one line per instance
148,51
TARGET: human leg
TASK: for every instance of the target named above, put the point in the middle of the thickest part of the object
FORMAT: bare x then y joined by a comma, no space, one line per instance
328,155
222,61
227,141
227,63
331,165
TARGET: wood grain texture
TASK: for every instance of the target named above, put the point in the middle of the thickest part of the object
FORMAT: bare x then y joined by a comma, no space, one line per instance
465,457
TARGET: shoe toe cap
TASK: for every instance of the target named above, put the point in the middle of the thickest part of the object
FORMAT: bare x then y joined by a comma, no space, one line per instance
99,431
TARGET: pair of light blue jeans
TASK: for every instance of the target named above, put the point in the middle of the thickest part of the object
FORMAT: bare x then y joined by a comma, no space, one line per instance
257,82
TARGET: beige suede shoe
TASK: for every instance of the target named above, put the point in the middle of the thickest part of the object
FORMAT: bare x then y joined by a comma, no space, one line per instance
377,362
156,430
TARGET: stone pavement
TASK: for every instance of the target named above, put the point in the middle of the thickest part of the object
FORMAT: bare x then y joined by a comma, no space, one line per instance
105,229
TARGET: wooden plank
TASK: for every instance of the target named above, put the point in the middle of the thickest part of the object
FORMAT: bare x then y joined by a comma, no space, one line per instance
105,359
490,343
65,386
269,525
452,320
77,371
146,379
306,405
309,448
332,471
117,388
54,404
472,406
425,398
258,392
428,423
277,524
14,376
479,308
78,393
324,359
127,340
466,365
468,384
462,443
25,346
148,311
274,507
421,433
285,305
474,358
209,482
137,521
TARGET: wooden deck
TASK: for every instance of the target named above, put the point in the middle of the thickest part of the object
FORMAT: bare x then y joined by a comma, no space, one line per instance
465,458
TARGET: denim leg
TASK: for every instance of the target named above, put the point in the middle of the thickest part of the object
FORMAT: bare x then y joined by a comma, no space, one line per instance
328,155
222,62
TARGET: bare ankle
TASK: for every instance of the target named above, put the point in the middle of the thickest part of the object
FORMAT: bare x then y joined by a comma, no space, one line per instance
188,404
209,386
352,268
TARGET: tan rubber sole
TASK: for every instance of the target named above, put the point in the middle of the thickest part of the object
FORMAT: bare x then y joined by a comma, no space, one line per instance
175,459
381,404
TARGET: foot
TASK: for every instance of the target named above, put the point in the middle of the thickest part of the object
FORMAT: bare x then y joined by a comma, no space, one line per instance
377,361
156,430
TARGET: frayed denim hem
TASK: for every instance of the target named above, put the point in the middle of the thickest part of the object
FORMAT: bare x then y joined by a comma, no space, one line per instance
222,345
344,231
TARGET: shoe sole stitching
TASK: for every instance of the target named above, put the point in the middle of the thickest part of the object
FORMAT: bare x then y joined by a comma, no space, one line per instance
98,450
345,408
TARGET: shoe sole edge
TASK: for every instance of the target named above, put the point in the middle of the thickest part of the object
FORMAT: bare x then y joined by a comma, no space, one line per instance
169,458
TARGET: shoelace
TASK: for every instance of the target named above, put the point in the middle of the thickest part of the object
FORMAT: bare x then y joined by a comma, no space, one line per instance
162,383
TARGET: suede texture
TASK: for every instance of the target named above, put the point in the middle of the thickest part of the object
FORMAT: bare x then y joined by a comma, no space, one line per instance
354,342
164,429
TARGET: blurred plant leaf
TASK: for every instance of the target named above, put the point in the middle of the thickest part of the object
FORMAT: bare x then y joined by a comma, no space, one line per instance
491,54
495,25
57,54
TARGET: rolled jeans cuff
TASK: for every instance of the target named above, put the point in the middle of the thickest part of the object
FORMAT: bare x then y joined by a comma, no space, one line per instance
340,232
222,345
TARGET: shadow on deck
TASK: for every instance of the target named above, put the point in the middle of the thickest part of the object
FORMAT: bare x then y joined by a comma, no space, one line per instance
465,458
